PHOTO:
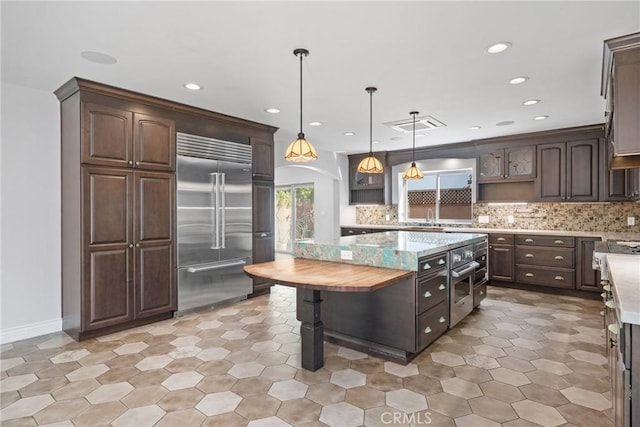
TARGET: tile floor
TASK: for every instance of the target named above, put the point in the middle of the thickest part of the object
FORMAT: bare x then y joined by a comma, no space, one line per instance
521,359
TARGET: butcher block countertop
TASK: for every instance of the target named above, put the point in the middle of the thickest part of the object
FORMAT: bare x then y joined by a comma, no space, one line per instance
625,274
326,275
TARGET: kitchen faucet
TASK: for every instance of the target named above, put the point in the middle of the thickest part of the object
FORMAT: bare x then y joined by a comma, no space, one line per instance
430,218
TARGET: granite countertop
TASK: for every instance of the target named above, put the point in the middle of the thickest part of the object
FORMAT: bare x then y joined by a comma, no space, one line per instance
625,275
604,235
392,249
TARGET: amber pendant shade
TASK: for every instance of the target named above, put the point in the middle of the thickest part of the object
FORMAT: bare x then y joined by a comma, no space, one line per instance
301,150
370,165
412,172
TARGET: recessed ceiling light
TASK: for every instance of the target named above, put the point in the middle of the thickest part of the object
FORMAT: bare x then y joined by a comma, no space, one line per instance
98,57
349,133
518,80
376,142
272,110
498,47
540,117
419,135
193,86
396,138
505,123
475,127
531,102
314,123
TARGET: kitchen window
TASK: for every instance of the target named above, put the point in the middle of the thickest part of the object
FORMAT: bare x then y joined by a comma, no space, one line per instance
441,197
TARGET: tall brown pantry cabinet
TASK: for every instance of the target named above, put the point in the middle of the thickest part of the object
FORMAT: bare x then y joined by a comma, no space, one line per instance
119,202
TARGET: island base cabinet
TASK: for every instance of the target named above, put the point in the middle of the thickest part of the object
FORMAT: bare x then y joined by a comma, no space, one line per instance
479,293
432,324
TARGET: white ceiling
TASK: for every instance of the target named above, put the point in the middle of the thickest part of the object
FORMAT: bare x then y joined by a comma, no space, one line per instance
421,55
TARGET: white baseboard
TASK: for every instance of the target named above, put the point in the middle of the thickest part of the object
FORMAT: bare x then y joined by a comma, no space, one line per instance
29,331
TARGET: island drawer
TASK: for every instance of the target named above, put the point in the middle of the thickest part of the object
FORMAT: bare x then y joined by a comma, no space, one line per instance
432,290
479,293
502,239
432,324
431,263
546,276
545,256
562,241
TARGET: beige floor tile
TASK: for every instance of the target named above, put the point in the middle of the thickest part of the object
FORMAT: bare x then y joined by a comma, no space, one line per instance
501,391
406,401
492,409
509,376
586,398
218,403
186,417
384,381
182,380
251,386
582,416
342,414
326,394
299,411
216,383
383,416
141,416
538,413
256,407
472,373
288,389
61,411
144,396
181,399
43,386
474,420
17,382
545,395
461,388
101,414
449,405
230,419
26,407
515,364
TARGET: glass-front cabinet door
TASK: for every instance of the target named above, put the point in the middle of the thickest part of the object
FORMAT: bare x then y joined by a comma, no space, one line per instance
491,166
521,162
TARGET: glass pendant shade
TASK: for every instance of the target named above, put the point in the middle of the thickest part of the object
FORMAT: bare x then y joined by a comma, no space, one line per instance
301,150
412,171
370,165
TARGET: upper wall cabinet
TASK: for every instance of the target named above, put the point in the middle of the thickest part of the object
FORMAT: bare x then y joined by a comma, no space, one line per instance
121,138
568,171
365,188
262,158
507,164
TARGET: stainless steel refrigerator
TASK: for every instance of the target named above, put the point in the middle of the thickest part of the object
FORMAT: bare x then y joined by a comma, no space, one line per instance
214,221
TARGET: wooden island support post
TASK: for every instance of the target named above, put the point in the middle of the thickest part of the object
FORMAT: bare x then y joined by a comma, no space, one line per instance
312,276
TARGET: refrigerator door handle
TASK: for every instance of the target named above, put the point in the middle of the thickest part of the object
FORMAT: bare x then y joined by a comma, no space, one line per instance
215,191
215,266
223,222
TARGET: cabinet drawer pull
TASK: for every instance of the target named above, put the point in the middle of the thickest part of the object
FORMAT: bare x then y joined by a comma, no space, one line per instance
602,313
263,234
614,328
441,261
427,330
501,239
529,255
442,287
560,278
427,294
607,288
130,162
610,304
481,292
137,163
442,319
529,274
559,242
363,232
528,240
350,231
603,295
426,266
559,257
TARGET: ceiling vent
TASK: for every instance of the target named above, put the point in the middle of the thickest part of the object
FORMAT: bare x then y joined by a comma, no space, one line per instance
422,123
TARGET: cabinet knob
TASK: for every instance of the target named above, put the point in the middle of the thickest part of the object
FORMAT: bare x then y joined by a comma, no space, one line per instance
481,292
528,240
560,278
263,234
529,274
501,239
426,266
559,257
442,319
427,330
614,328
350,231
137,163
610,304
602,313
529,255
441,261
558,242
607,288
363,232
442,287
130,245
137,245
130,162
427,294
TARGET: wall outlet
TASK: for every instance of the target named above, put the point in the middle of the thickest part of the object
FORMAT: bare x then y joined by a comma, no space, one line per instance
510,219
631,220
387,217
483,219
346,255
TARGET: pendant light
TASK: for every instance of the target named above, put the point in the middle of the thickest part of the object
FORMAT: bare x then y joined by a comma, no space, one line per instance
370,164
301,150
413,172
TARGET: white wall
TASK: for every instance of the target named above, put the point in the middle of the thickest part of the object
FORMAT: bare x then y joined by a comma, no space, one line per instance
327,174
30,291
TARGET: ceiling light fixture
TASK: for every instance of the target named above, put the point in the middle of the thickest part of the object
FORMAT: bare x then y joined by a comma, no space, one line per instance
412,171
531,102
98,57
498,47
272,110
518,80
540,117
475,127
505,123
370,164
301,150
349,133
192,86
314,123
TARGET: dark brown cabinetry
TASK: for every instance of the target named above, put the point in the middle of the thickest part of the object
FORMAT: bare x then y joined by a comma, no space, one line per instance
501,257
587,279
568,171
545,260
263,237
615,184
432,309
507,164
263,159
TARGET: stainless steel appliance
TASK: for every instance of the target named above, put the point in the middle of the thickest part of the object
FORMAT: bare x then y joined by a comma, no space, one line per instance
615,332
462,277
481,274
214,221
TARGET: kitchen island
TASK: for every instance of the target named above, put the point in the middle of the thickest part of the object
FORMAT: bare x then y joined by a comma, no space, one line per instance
399,320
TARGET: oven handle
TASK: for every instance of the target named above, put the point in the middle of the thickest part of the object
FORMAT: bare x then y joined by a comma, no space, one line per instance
472,266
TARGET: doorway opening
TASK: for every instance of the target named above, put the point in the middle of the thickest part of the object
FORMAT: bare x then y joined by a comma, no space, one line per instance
294,215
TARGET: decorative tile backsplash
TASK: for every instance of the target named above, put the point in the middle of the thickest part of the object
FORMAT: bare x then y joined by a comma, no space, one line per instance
609,217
